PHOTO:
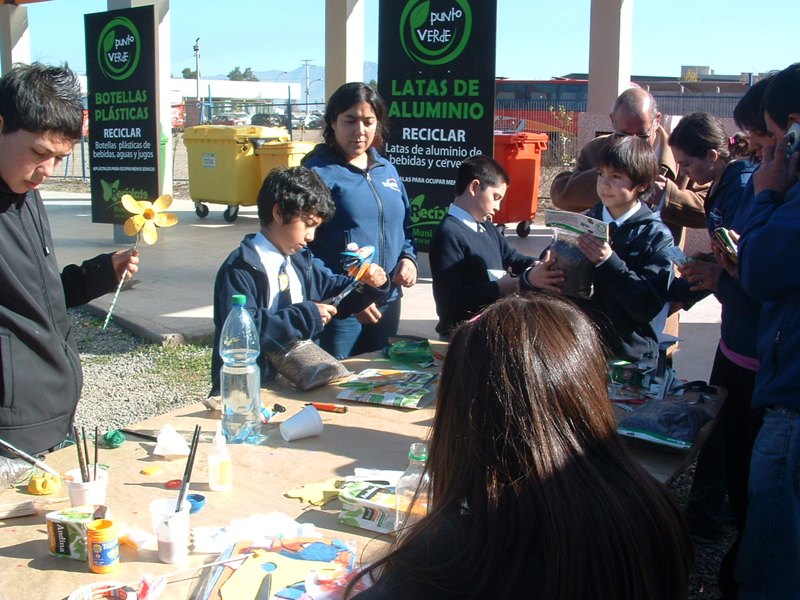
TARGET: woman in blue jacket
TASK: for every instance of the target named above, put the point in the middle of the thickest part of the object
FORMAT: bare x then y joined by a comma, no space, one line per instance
701,146
372,208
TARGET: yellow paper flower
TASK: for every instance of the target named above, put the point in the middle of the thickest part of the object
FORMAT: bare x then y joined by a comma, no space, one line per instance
147,216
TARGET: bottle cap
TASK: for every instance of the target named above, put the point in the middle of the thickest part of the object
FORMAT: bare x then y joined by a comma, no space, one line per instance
219,439
238,299
418,451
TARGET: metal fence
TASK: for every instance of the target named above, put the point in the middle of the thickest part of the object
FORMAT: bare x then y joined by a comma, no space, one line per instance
560,125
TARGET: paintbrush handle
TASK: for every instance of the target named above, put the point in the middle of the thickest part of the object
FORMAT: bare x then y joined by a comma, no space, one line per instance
28,458
187,473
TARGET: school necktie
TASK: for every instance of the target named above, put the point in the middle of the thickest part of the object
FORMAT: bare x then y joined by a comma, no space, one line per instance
612,229
284,293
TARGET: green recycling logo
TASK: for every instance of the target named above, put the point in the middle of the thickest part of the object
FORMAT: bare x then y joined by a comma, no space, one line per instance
119,49
435,32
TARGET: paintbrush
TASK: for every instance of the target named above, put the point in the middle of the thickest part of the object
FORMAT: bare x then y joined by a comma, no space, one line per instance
28,458
81,460
86,454
187,473
96,436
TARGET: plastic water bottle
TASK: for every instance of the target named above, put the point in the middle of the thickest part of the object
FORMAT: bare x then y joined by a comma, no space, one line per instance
240,377
412,480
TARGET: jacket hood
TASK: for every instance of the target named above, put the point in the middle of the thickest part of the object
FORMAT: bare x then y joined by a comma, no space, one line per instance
8,198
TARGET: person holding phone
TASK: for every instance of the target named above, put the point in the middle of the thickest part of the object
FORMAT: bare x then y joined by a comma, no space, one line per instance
768,259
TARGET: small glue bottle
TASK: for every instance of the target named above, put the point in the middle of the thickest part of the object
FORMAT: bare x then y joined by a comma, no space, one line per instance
220,476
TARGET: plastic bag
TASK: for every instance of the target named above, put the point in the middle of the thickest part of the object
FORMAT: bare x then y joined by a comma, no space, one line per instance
11,471
307,365
578,270
410,351
672,422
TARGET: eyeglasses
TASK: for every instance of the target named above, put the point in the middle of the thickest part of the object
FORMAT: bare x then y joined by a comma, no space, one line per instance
643,136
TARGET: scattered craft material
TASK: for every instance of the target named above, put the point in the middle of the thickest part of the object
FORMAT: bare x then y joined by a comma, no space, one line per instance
392,387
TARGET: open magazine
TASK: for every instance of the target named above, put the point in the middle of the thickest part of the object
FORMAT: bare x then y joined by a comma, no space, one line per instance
393,387
578,270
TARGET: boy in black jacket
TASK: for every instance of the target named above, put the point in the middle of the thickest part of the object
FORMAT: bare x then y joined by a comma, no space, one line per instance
41,116
471,263
284,284
633,271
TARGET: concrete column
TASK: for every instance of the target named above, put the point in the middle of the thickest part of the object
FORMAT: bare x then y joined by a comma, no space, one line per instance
344,43
15,40
610,41
163,77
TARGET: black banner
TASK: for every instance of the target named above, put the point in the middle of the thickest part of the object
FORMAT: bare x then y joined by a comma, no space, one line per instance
123,125
436,66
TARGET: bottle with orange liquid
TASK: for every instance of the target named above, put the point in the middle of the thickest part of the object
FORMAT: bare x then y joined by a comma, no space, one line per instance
102,545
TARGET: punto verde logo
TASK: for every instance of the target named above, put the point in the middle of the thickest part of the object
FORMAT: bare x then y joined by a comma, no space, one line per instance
435,32
119,48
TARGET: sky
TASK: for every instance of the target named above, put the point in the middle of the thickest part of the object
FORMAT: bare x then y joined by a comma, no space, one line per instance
536,39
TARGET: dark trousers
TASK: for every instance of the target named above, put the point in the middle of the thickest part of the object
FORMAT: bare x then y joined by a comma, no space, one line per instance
724,461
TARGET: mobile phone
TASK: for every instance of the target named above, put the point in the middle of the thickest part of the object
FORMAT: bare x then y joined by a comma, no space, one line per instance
722,239
793,144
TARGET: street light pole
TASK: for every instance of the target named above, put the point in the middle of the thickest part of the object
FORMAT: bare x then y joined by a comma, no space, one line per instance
197,64
308,83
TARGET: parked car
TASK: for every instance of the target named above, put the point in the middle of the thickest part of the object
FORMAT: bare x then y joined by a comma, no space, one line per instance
238,118
315,122
268,120
307,121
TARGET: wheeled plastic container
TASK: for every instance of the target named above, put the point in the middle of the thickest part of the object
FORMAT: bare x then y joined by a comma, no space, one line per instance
520,154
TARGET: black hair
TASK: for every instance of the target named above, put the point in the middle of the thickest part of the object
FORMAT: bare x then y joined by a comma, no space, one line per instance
483,168
782,96
749,111
41,99
349,95
297,192
632,156
698,133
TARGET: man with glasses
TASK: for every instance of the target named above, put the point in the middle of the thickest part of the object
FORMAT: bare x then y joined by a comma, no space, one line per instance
679,199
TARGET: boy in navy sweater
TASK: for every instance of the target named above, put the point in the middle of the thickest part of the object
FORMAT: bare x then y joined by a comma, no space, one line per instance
282,280
471,263
632,271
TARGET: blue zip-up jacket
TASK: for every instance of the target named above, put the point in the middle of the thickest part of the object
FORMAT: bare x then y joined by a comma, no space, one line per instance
722,204
740,312
728,205
372,208
630,287
768,257
243,273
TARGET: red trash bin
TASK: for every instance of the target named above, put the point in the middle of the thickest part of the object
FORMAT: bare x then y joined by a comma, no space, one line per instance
520,153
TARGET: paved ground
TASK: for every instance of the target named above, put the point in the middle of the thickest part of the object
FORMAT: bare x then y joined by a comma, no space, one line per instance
170,299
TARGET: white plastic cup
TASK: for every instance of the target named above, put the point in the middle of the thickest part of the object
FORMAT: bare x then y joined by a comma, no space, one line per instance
171,529
87,492
306,423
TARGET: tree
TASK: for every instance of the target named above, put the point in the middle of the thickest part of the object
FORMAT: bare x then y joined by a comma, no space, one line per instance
237,75
691,75
188,73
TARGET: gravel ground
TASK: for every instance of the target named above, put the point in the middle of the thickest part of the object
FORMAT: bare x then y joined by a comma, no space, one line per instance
127,380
